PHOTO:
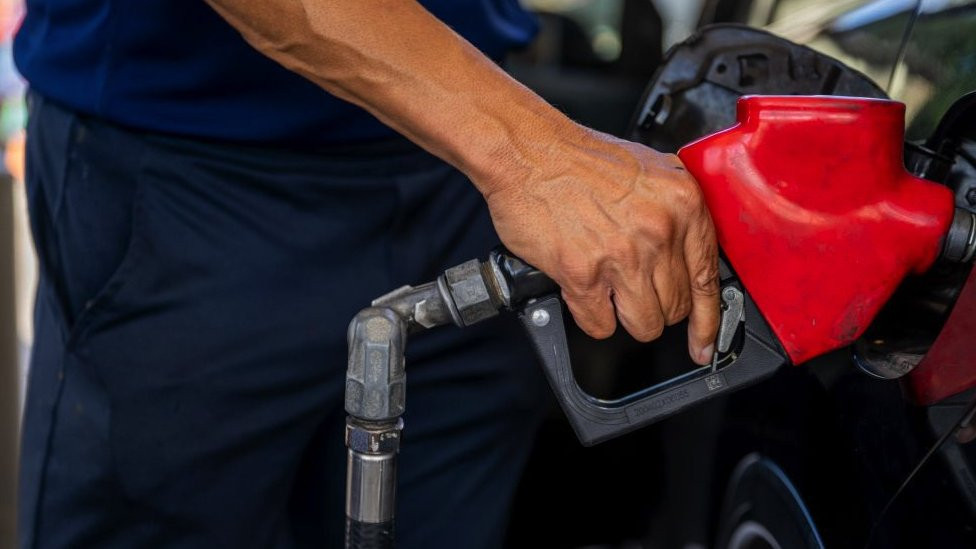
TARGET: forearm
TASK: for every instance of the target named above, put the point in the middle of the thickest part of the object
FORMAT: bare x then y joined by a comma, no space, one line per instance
394,59
618,226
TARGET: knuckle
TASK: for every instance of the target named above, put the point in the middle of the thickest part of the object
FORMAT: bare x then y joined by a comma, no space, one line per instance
652,329
686,190
660,230
624,254
596,319
678,312
704,281
578,274
689,196
648,328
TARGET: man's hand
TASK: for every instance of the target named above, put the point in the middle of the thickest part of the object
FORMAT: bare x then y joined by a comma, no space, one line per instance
619,227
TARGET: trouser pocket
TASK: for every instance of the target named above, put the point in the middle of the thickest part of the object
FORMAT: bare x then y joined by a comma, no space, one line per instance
83,194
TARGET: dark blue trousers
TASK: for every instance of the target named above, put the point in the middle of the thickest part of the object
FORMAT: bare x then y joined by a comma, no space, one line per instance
187,374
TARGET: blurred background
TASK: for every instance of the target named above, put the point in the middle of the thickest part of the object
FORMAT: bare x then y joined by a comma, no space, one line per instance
592,59
16,270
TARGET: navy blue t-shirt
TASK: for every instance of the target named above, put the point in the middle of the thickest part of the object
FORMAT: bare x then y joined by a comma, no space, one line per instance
175,66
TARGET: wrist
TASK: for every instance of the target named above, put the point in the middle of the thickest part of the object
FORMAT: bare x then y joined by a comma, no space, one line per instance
519,143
